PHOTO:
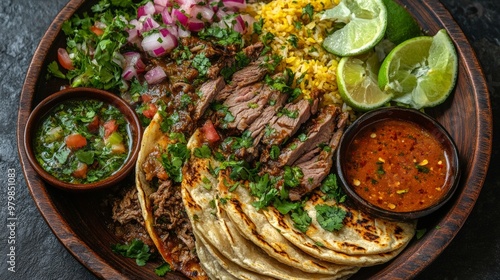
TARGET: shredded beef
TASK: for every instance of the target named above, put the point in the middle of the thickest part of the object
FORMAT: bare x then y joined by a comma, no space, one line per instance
127,216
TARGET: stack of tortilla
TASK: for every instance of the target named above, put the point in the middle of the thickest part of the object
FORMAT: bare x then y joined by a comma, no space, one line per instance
234,240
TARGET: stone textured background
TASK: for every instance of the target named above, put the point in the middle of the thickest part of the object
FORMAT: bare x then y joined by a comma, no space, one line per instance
473,254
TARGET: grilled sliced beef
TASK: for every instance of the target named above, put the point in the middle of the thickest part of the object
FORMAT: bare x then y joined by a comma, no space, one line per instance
207,93
287,122
317,167
276,101
249,75
318,131
245,113
252,52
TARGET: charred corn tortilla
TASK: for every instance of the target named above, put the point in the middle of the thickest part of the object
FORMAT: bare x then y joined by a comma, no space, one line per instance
210,222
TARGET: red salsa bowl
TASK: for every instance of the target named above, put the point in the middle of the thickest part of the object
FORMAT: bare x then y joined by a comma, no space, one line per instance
398,163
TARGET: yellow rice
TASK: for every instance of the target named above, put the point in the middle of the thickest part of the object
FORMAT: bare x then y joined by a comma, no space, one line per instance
308,60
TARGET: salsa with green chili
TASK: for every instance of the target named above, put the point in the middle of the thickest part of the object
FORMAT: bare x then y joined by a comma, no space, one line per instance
82,141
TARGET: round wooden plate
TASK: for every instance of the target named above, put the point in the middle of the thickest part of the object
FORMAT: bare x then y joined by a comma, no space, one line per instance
79,224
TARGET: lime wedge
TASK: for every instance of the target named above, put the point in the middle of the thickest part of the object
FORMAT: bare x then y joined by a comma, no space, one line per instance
357,82
365,24
421,71
401,26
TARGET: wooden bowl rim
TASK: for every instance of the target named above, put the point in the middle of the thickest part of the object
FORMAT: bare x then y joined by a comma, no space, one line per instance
411,266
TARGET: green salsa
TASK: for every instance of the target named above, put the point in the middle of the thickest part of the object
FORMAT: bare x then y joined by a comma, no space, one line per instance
82,141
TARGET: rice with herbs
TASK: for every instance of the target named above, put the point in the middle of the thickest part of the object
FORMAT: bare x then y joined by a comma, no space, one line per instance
298,39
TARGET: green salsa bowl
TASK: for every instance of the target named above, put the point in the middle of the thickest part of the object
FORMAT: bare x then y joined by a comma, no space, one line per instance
83,139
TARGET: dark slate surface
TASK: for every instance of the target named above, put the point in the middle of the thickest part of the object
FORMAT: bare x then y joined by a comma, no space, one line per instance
473,254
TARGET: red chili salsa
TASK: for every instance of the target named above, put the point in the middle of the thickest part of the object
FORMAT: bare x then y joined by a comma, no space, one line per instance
397,165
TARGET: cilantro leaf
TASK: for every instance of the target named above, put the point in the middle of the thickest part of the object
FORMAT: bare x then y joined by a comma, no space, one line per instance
53,69
420,233
292,176
201,63
163,269
285,206
85,156
331,189
301,219
174,159
223,36
330,217
308,10
203,152
136,250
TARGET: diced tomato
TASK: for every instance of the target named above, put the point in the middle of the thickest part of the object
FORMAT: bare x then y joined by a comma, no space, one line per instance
162,175
210,133
146,98
80,171
151,111
109,127
93,126
96,30
64,60
75,141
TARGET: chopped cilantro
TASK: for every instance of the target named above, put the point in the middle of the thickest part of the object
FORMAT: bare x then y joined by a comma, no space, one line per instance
264,190
136,250
223,36
275,152
297,24
331,189
202,152
257,26
301,219
420,233
330,217
240,170
291,114
136,88
174,159
53,69
284,206
308,11
201,63
292,176
163,269
168,121
293,40
302,137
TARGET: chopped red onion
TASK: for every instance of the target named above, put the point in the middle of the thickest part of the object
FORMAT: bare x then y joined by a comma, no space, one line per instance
183,33
234,4
167,18
164,3
155,75
147,9
180,16
158,44
195,25
202,12
148,23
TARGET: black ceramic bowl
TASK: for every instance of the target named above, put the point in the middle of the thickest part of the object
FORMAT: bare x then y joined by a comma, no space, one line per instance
422,120
38,115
